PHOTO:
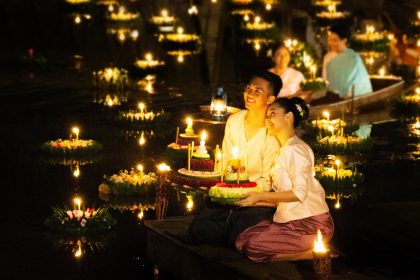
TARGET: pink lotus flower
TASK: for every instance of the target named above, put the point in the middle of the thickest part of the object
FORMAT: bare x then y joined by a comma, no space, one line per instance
83,223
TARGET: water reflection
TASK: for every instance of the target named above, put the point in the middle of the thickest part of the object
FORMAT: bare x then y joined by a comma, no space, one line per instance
80,246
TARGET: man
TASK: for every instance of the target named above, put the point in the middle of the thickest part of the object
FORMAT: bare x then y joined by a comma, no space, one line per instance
221,224
346,69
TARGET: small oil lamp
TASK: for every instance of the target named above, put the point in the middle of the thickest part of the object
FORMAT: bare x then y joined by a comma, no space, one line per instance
218,106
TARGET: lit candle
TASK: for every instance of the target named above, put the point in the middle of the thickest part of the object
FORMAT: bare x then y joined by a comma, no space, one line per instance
164,13
203,139
331,129
268,7
189,130
246,17
322,261
148,57
257,19
78,202
140,168
180,30
142,107
382,71
326,114
313,69
76,132
163,167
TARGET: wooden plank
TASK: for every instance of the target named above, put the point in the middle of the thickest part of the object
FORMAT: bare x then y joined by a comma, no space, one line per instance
172,249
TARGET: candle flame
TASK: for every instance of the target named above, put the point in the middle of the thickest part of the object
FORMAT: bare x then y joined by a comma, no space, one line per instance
326,114
148,57
319,246
382,71
257,19
268,7
163,167
337,163
77,19
140,167
189,121
164,12
141,106
331,128
180,30
203,135
75,130
78,202
246,17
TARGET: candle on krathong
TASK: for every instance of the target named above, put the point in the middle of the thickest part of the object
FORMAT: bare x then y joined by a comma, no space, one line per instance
140,168
331,129
142,107
180,30
148,57
77,19
246,17
235,157
382,71
189,130
76,131
78,202
313,69
203,139
164,13
322,261
326,114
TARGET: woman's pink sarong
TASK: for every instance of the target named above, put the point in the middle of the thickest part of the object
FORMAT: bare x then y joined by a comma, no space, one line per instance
261,243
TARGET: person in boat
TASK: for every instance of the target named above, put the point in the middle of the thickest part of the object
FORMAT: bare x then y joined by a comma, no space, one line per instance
290,77
221,224
346,70
300,198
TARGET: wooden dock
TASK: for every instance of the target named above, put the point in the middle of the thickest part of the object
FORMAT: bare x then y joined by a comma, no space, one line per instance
170,246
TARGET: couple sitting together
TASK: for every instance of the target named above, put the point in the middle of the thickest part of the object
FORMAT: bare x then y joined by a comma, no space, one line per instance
280,223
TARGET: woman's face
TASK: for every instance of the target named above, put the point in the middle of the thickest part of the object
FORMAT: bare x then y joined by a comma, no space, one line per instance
282,57
335,43
276,119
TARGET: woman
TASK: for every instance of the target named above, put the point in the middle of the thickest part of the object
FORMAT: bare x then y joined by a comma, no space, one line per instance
290,77
346,71
300,199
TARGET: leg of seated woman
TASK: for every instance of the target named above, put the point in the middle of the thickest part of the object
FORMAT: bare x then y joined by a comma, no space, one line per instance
249,233
244,218
287,241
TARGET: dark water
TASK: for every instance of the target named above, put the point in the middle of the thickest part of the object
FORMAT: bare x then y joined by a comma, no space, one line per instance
377,232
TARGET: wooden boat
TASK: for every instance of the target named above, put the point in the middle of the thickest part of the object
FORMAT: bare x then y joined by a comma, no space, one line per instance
384,90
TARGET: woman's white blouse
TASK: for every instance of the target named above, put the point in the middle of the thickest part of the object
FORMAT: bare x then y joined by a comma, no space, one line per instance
294,170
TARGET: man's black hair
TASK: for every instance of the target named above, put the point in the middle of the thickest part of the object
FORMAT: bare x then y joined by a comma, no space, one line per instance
274,81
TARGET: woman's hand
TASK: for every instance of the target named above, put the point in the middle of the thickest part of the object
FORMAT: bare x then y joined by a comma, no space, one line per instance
249,199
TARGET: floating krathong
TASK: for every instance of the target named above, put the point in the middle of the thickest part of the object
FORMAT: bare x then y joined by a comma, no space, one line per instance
179,37
332,13
163,19
148,62
124,15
